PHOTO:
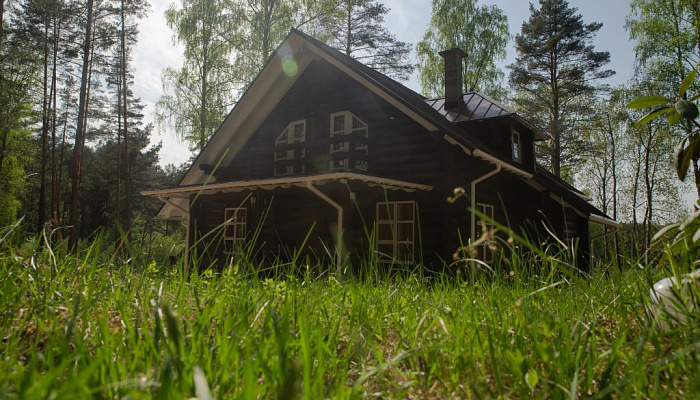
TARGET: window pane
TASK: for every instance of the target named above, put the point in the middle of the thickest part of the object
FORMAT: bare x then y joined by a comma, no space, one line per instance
339,123
404,232
240,231
404,252
356,123
385,212
405,212
299,132
384,232
385,250
230,231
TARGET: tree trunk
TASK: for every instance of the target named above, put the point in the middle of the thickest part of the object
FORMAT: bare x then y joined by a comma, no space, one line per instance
54,81
41,217
613,159
118,202
127,165
2,18
80,134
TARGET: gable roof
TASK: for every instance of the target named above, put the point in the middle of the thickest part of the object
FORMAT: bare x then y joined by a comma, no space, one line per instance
290,60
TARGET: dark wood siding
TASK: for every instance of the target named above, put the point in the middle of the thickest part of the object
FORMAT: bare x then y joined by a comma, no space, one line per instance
398,148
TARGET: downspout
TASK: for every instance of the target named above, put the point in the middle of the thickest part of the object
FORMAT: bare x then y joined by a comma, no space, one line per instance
187,228
339,244
473,198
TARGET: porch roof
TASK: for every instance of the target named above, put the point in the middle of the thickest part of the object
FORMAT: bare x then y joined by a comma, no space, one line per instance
177,196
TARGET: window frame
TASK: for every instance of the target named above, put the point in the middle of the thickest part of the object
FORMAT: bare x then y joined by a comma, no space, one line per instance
516,146
231,242
350,146
283,152
488,210
394,223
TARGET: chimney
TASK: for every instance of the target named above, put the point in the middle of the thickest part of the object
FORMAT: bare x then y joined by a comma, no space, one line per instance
453,77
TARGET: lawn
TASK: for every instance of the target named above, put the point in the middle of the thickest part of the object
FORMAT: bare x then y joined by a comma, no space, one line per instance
88,326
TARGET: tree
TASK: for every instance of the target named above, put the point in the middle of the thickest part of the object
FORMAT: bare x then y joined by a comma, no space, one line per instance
80,132
480,31
357,31
199,94
254,28
19,71
667,36
555,66
667,33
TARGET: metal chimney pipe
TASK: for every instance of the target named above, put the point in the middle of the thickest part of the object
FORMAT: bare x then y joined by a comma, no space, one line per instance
453,77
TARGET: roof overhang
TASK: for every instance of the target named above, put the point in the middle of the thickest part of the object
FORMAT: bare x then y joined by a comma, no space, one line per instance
176,199
599,219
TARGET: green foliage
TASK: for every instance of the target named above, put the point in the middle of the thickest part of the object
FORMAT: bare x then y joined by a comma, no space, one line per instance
687,152
18,73
666,35
197,96
479,30
87,327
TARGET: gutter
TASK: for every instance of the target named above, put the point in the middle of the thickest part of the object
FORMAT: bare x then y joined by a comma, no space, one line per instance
505,166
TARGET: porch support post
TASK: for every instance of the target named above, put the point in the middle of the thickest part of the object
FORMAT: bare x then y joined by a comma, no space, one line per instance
167,201
339,239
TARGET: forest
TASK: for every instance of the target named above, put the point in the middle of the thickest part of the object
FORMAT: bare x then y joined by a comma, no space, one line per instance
77,148
96,303
76,151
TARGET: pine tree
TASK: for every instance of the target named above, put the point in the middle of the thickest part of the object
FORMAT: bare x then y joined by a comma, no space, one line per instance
356,27
556,66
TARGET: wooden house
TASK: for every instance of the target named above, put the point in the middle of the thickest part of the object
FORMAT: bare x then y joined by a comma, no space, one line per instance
325,156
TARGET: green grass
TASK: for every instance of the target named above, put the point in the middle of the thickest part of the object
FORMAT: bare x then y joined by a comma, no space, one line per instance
91,327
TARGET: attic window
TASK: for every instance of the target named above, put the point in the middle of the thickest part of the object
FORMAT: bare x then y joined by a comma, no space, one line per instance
517,147
285,150
293,133
349,136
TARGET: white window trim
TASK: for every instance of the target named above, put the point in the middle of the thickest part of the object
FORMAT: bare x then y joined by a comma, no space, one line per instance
516,145
289,153
347,130
393,222
289,129
232,241
486,254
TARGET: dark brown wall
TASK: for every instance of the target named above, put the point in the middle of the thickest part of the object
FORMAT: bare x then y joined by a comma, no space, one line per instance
399,148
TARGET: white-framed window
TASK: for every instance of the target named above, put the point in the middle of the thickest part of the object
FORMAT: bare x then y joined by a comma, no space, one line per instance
517,146
235,227
284,170
345,123
295,132
361,165
486,253
396,231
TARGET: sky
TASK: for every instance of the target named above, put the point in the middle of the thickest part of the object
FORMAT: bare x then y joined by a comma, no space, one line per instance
407,19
